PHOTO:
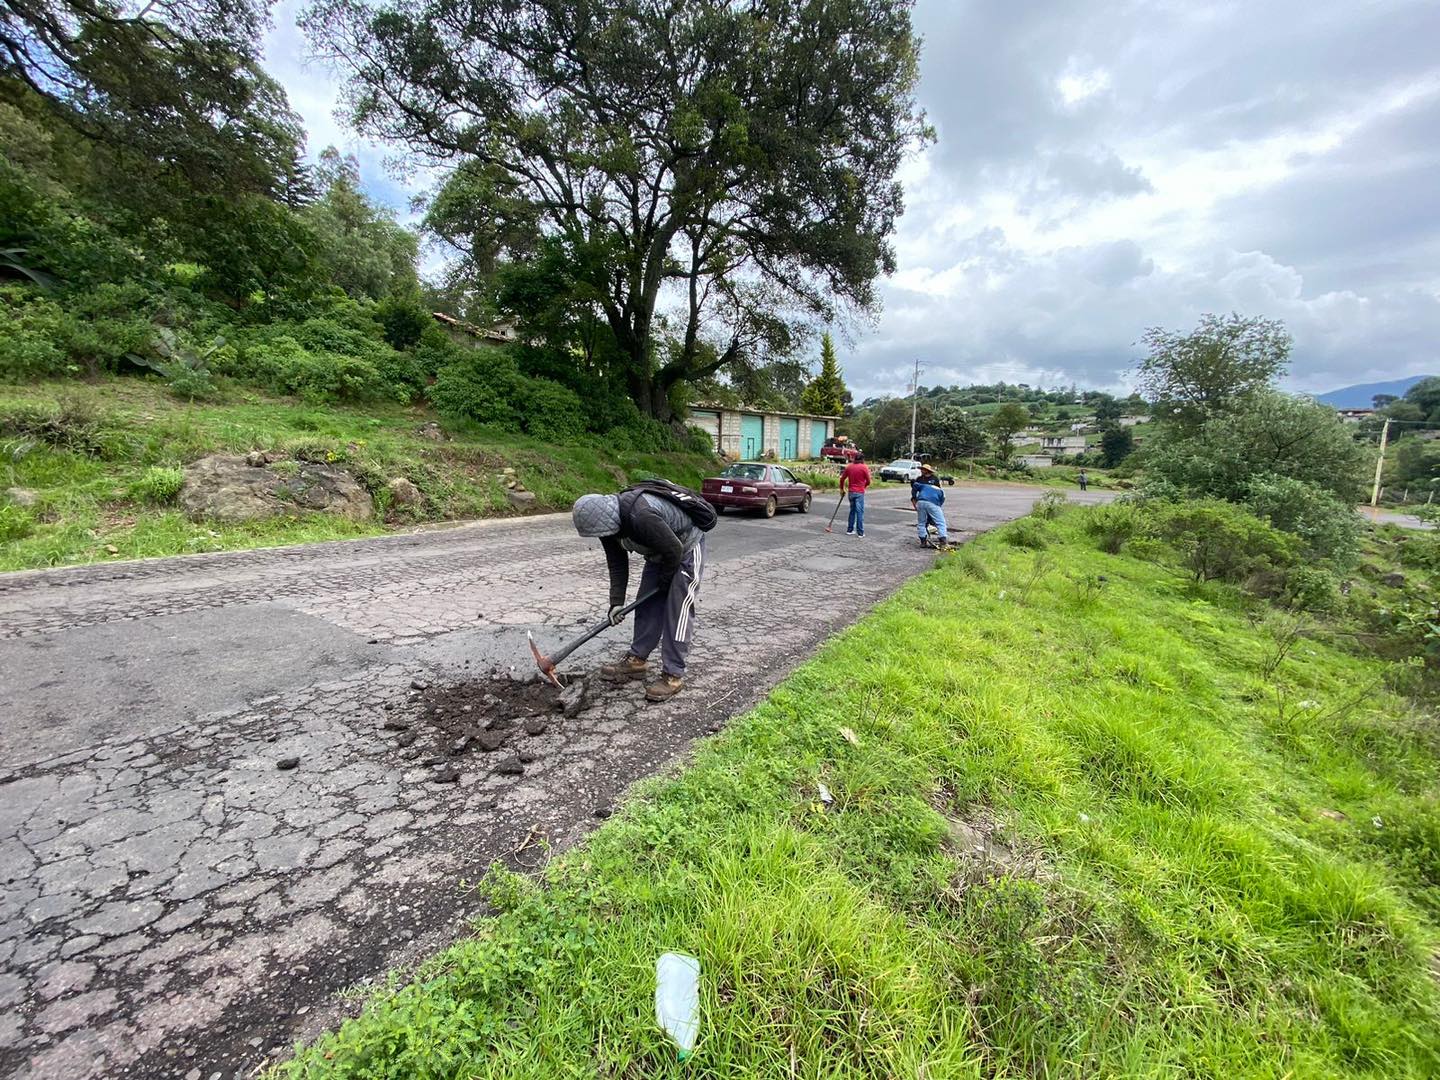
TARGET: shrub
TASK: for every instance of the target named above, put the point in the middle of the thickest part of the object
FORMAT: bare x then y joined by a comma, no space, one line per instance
157,485
1311,588
1220,540
1049,505
431,355
284,365
403,321
1113,525
30,336
1329,527
482,387
1025,533
548,410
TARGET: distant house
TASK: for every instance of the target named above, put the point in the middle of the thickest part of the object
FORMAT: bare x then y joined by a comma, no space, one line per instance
1354,416
752,433
1064,444
1131,421
465,333
1036,461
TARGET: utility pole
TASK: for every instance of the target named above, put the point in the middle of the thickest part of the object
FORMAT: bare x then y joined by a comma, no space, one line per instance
914,405
1380,464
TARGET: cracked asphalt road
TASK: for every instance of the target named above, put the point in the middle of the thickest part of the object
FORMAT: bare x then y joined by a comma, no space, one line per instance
175,905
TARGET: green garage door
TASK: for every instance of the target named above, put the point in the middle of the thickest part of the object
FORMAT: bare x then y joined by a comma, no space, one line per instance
752,436
817,437
789,439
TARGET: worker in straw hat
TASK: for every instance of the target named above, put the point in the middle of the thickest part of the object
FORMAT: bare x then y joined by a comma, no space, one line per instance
927,499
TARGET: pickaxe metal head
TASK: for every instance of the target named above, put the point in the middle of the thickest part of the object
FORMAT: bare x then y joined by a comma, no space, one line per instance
543,662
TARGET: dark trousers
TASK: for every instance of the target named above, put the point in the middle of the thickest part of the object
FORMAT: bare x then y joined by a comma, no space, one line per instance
668,619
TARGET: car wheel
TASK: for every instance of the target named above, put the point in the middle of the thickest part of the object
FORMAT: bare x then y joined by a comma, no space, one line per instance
770,505
719,509
805,504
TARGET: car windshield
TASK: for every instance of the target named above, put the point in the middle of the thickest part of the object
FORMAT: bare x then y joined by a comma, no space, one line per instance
901,463
744,472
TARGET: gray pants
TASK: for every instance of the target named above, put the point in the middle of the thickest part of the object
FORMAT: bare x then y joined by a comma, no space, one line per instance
669,618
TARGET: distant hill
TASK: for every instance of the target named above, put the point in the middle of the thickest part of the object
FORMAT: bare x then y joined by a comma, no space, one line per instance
1362,395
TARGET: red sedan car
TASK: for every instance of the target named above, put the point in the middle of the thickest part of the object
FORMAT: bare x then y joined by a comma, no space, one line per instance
755,485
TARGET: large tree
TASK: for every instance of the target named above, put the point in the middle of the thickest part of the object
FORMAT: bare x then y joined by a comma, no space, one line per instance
362,247
174,86
735,159
954,434
1225,359
1004,424
824,395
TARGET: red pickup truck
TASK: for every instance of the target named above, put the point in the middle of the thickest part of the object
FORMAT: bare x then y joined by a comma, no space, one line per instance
841,450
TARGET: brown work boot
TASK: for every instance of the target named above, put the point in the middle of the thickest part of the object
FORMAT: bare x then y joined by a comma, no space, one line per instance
630,667
664,688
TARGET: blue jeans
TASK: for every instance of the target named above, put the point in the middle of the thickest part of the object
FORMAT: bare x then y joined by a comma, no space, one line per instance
926,512
857,514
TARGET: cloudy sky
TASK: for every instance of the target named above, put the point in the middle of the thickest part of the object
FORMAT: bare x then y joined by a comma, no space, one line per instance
1106,166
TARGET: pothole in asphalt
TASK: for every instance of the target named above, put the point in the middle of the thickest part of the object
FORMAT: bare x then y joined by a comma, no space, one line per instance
485,722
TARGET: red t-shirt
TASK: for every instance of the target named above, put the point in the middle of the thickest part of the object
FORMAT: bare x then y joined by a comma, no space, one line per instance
855,477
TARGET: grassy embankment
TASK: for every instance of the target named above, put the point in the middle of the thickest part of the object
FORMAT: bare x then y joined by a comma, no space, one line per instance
106,476
1220,857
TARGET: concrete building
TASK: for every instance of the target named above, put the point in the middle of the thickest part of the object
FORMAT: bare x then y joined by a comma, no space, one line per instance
1064,444
1036,461
755,433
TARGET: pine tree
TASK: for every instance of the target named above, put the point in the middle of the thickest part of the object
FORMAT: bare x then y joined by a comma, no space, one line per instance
825,394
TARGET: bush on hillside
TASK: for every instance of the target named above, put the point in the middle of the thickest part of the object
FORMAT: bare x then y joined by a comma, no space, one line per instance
1114,525
1329,528
1312,588
1025,533
548,410
283,365
1219,540
1268,434
482,387
403,321
30,336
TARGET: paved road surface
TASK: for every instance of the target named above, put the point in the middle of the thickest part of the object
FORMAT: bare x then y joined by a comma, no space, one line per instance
174,905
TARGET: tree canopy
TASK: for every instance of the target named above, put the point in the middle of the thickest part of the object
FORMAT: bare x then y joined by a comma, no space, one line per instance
1003,425
176,84
1222,361
733,163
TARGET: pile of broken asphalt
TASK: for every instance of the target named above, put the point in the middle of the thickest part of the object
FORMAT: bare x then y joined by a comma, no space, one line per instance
483,721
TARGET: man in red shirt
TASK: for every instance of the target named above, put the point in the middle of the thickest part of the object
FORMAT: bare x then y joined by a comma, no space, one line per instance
854,479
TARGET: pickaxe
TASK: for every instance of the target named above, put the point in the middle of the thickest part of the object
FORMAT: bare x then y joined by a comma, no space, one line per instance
547,664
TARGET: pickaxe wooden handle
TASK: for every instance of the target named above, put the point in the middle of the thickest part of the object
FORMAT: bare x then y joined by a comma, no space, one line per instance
547,664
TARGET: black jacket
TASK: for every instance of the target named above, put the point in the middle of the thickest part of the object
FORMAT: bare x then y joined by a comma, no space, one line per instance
647,534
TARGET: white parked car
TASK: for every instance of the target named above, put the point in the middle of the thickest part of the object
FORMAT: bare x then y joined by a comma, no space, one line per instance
901,469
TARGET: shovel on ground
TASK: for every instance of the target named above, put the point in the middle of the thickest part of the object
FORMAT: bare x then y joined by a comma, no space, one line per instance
831,526
547,664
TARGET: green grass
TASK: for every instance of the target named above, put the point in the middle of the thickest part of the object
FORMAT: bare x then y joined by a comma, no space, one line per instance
115,488
1212,871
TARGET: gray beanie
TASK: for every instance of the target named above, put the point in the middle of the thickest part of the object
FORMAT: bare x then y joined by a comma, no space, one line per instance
597,515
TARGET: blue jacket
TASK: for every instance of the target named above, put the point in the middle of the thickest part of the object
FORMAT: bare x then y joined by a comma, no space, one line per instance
924,491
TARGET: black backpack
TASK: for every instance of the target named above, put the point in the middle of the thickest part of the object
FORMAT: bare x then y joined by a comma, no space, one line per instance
702,514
